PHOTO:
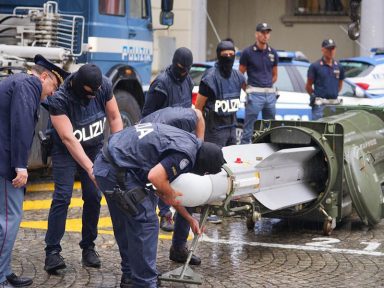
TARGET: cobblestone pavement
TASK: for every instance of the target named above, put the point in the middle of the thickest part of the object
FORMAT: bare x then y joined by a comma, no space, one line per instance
277,253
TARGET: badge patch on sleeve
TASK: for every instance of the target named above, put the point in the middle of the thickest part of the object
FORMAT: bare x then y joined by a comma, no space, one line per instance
183,163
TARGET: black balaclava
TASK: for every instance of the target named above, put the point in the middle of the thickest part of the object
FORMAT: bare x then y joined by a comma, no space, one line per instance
209,159
90,75
182,56
225,63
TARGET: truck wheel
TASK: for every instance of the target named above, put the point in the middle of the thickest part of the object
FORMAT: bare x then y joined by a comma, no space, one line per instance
129,110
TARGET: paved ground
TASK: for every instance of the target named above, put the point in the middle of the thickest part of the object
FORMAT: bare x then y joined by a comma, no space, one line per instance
275,254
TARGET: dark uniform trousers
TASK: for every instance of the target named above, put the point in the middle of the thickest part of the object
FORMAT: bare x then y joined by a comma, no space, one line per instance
64,170
136,235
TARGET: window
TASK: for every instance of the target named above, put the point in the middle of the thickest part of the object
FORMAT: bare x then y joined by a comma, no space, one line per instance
283,81
321,7
303,71
356,69
112,7
137,9
316,11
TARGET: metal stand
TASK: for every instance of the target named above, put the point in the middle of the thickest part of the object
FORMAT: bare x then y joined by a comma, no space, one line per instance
185,274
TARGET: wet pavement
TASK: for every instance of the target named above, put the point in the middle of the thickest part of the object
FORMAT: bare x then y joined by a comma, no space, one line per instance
277,253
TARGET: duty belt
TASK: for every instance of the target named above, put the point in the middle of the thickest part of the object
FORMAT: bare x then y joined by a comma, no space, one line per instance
251,89
126,200
323,101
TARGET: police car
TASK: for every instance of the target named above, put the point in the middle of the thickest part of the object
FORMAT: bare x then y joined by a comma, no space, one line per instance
367,72
293,101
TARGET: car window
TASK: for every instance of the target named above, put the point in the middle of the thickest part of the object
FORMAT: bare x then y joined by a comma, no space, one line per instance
356,69
303,71
196,73
283,81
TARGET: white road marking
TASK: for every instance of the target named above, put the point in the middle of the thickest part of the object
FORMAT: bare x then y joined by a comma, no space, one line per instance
205,238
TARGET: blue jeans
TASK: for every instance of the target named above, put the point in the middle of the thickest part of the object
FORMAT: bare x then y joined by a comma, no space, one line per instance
136,235
163,208
11,211
256,102
64,168
318,111
181,231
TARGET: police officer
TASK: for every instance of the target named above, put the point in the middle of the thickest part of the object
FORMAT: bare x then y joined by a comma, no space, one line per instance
20,100
190,120
171,88
78,112
325,80
219,97
260,62
148,153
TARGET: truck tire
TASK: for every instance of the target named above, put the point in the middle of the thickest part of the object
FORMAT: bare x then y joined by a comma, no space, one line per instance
129,108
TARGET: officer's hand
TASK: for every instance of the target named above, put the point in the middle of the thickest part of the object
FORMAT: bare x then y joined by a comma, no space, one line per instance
92,177
170,199
195,226
20,179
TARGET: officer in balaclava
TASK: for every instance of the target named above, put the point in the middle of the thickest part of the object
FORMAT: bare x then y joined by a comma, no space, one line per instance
78,111
171,88
219,96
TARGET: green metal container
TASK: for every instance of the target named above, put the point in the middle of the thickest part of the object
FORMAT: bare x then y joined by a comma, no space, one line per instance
350,162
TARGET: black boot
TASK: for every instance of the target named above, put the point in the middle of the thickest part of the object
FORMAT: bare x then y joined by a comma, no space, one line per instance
180,255
90,258
54,262
17,281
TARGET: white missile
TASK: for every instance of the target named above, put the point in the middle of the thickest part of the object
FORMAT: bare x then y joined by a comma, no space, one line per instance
276,178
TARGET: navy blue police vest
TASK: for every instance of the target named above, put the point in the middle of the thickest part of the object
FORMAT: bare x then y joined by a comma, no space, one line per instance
179,117
143,146
177,94
226,90
88,121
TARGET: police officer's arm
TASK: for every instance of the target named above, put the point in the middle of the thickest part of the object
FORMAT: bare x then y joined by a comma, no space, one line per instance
200,125
155,98
341,78
340,85
159,178
274,74
24,104
64,128
310,80
113,115
166,171
242,68
243,61
309,86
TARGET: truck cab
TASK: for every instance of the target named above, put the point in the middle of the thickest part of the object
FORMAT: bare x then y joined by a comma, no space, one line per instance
116,35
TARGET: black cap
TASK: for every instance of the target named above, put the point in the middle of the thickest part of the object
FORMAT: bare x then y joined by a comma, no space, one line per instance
90,75
209,159
328,43
57,71
263,27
